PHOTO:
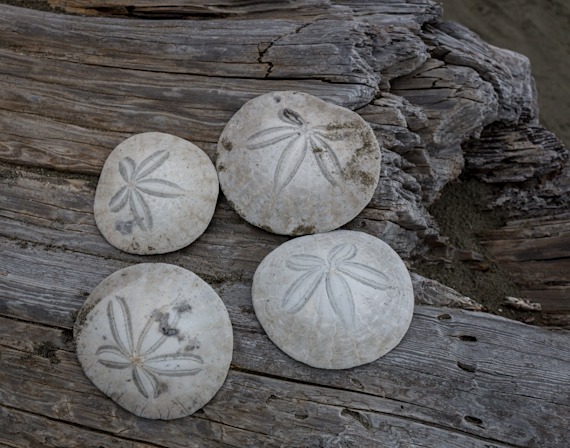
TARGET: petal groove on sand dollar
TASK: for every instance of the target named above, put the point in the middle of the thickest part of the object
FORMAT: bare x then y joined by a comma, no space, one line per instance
292,164
157,193
156,339
334,300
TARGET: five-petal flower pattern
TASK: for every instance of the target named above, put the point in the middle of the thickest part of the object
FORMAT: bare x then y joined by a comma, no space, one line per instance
336,269
139,184
299,137
145,365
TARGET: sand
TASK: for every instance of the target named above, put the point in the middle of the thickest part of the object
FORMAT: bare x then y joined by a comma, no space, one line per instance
539,29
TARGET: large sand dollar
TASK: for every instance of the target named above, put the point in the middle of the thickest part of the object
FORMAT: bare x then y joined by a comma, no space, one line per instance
292,164
156,194
334,300
156,339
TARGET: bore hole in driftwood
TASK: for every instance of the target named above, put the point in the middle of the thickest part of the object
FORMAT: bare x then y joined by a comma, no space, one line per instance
444,317
66,336
466,367
356,383
301,416
357,416
362,224
474,420
466,338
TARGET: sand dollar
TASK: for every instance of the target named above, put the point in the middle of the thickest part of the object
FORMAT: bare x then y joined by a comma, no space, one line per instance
292,164
334,300
156,194
156,339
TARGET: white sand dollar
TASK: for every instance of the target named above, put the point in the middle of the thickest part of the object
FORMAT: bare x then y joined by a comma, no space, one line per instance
292,164
334,300
156,194
156,339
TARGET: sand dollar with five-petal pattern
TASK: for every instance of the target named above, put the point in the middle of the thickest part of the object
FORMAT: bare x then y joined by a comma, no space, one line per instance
292,164
156,194
334,300
156,339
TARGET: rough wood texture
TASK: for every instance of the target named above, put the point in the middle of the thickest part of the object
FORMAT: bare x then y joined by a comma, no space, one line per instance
530,165
26,430
514,153
71,88
507,71
410,14
55,258
102,80
536,254
396,399
427,290
58,212
457,103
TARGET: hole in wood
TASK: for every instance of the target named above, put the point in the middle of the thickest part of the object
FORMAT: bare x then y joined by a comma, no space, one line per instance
444,317
473,420
356,383
356,416
301,416
466,338
466,367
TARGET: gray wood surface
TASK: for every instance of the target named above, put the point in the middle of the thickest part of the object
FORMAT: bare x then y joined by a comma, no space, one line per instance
71,88
464,377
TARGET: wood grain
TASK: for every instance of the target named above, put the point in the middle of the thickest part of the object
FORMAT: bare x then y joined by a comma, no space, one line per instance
72,88
58,212
271,411
536,254
48,272
25,430
410,14
83,85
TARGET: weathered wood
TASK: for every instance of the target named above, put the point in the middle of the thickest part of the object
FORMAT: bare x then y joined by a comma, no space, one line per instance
430,292
172,76
248,411
514,154
507,71
71,88
410,14
457,103
536,254
25,430
529,165
48,284
517,249
268,410
57,213
554,299
245,49
101,80
65,206
118,104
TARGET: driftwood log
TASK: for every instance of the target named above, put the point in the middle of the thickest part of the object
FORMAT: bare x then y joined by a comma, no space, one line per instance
440,101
